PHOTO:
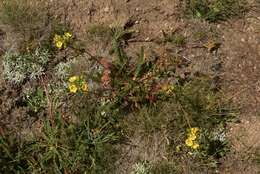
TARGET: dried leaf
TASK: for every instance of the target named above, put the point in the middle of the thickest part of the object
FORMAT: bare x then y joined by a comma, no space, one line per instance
106,64
211,45
106,79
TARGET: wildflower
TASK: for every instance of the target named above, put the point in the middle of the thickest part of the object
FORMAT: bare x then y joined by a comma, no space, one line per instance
73,79
57,38
168,89
77,83
189,142
67,35
61,41
84,86
194,130
59,44
178,148
73,88
192,136
195,146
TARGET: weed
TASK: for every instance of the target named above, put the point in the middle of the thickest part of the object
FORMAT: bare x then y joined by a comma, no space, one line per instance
177,39
215,10
63,148
141,168
64,69
30,66
36,100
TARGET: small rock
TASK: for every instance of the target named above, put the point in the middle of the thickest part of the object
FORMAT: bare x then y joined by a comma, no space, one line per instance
147,39
106,9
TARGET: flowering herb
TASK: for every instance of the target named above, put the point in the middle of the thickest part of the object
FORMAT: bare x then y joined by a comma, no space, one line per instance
77,84
61,41
191,141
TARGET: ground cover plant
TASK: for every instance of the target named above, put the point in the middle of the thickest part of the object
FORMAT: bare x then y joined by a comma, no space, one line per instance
114,98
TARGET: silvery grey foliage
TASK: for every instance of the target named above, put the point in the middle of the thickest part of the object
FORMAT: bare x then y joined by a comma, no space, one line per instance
18,67
62,70
141,168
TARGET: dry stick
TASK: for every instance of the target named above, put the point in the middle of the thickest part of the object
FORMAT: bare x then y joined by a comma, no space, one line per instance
49,102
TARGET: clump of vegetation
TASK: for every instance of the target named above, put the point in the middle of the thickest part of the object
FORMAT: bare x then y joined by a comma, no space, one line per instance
27,66
173,37
63,70
142,168
36,100
60,148
215,10
194,119
61,41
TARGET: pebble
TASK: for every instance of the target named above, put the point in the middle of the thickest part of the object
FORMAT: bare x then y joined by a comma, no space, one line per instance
147,39
106,9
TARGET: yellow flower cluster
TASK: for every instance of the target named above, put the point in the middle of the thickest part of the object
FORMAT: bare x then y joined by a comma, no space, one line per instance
77,83
61,41
168,89
192,136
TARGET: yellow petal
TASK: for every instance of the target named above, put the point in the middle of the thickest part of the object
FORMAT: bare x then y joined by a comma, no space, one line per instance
192,137
73,79
194,130
68,35
195,146
84,87
73,88
59,44
57,38
189,142
178,148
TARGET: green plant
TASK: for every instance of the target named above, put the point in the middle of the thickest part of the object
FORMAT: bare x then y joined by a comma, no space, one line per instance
63,70
27,66
12,159
142,168
215,10
60,148
175,38
36,100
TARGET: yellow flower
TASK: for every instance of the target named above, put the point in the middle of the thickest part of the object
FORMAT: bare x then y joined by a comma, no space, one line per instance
178,148
192,137
189,142
168,89
195,146
73,88
57,38
84,87
73,79
194,130
59,44
67,35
